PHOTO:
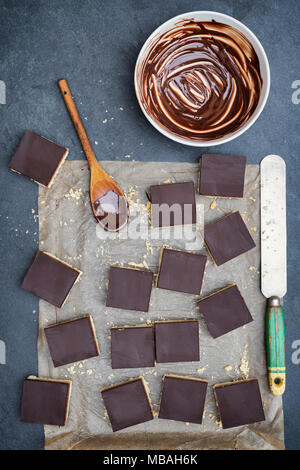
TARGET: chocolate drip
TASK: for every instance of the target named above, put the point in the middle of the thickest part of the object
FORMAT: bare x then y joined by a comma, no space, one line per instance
111,211
200,80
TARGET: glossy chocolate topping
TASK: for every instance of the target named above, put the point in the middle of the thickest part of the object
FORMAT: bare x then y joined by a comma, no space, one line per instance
177,341
182,399
38,158
50,279
129,289
45,401
72,341
222,175
173,204
127,404
181,271
111,211
227,238
132,347
200,80
224,311
239,403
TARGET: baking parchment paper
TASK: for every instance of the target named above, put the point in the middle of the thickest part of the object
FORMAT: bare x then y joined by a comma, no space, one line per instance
68,230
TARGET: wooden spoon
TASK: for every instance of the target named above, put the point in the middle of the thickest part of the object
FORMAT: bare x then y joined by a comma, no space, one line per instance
109,204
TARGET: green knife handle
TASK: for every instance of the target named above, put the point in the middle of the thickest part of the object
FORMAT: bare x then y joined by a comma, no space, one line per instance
275,345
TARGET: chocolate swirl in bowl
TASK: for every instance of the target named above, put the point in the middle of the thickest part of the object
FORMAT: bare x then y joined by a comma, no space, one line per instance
200,80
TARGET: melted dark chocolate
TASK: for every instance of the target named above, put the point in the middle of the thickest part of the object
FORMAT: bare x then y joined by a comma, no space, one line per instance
200,80
111,211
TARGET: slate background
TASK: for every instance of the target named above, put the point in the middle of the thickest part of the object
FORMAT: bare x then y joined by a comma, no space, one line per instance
94,44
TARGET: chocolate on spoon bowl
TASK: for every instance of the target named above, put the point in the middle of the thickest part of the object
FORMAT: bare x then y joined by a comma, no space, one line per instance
202,78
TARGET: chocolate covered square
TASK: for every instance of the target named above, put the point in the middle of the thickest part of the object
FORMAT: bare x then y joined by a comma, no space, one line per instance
239,403
127,404
173,204
72,341
132,347
227,238
50,278
177,341
222,175
45,401
181,271
129,288
38,158
224,311
182,399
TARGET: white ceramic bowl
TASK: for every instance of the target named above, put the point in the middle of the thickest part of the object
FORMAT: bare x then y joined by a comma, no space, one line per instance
264,70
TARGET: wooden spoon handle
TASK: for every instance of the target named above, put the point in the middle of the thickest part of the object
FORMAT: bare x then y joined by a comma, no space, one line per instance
66,93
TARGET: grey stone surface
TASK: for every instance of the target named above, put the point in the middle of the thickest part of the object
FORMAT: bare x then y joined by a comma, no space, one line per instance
94,44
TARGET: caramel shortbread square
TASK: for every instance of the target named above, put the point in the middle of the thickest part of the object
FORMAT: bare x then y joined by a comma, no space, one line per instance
50,278
127,404
132,346
222,175
183,399
129,288
227,238
224,310
38,158
173,204
45,401
72,341
181,271
239,403
177,341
